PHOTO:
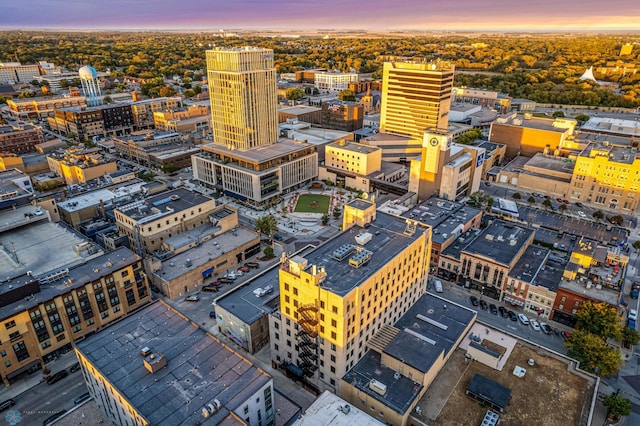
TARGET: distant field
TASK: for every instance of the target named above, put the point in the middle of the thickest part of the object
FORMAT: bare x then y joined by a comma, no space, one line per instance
312,203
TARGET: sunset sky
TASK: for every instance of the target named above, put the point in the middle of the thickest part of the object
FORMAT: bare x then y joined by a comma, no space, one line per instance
496,15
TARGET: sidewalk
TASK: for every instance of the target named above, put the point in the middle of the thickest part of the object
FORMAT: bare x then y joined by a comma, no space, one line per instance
28,381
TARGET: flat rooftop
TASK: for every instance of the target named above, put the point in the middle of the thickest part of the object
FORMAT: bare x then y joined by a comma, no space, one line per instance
298,109
445,323
388,240
8,185
547,162
612,125
260,154
444,216
90,199
500,241
199,367
148,135
550,276
204,253
243,303
72,275
460,244
318,136
531,262
381,137
617,154
177,200
534,123
354,147
327,410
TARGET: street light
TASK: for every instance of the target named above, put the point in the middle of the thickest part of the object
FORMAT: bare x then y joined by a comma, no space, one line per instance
481,292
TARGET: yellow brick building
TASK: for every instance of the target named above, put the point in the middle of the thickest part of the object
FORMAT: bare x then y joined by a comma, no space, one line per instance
78,166
333,300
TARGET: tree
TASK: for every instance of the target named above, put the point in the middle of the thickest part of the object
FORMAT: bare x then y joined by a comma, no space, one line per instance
582,118
169,168
600,319
546,203
346,95
295,93
268,252
336,212
267,225
469,137
481,200
558,114
630,336
636,245
325,219
562,208
531,199
167,91
594,353
617,406
616,220
516,195
598,214
107,100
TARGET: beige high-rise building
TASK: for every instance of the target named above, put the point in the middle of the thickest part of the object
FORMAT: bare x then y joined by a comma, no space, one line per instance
244,97
416,97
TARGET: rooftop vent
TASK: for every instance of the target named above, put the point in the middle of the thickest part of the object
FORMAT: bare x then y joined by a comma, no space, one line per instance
211,408
362,257
343,251
363,238
175,197
154,362
146,351
378,387
489,237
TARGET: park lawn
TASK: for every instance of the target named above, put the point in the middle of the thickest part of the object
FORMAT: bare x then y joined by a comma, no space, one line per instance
312,203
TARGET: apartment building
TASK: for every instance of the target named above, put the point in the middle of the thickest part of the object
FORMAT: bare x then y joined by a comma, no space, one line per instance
85,123
176,373
56,301
608,176
345,116
333,82
190,119
143,110
334,299
20,140
149,221
42,107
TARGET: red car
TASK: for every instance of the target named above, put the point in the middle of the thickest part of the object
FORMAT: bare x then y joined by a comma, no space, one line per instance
243,268
565,201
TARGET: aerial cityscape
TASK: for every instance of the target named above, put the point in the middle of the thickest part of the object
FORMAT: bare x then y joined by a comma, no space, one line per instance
256,213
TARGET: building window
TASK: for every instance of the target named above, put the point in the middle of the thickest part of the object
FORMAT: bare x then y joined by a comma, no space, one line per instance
9,324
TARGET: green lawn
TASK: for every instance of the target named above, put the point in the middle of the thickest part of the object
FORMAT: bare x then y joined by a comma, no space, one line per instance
312,203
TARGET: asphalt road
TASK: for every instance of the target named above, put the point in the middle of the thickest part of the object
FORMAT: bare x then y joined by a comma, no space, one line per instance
43,400
461,296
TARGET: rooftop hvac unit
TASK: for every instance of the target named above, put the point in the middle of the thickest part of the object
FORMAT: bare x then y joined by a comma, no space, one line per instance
378,387
363,238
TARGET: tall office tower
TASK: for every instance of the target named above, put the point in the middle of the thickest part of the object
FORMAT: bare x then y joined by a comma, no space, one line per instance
90,85
416,96
244,100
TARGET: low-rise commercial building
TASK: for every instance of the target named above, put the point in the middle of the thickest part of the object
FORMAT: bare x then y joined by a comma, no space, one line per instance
155,149
176,374
340,115
143,110
15,188
404,359
80,165
41,108
195,118
333,82
302,113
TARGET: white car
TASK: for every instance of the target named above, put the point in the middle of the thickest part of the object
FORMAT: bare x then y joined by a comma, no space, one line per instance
582,215
523,319
633,314
535,325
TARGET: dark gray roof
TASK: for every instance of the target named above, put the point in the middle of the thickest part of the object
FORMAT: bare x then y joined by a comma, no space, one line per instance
243,303
454,249
185,200
500,241
388,240
528,266
419,352
401,392
199,368
444,216
489,390
550,276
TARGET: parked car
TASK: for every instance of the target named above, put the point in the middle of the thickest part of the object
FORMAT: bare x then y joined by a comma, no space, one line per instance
545,328
277,236
57,377
565,335
243,268
192,298
4,405
523,319
633,314
474,300
579,205
211,288
212,314
51,419
535,325
82,398
252,265
503,311
437,284
493,309
512,316
225,280
75,367
631,324
635,290
232,275
483,305
582,215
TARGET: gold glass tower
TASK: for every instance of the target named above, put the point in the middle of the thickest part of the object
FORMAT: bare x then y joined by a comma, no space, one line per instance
416,96
244,100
